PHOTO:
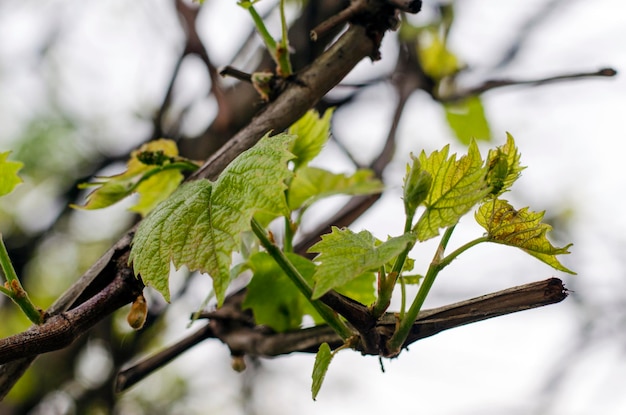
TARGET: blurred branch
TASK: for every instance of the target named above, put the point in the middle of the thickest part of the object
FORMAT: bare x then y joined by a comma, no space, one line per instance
233,327
500,83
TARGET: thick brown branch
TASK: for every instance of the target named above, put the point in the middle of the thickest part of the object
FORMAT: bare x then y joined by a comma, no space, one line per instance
429,322
61,330
258,341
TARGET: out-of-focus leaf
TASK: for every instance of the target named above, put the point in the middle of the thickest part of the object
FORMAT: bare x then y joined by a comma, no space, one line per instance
8,174
467,119
310,184
273,298
437,60
312,132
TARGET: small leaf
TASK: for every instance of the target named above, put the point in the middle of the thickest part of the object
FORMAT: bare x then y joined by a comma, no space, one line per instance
437,60
412,279
322,361
310,184
156,189
417,183
312,133
467,120
456,187
8,174
201,224
145,174
344,255
520,228
273,298
504,167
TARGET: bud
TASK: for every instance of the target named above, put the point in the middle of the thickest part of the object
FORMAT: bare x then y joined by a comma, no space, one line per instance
417,184
138,313
238,363
498,170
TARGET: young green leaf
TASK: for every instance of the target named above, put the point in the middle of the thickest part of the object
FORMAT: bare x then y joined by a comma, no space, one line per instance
200,225
344,255
312,133
148,173
273,298
437,60
155,189
417,183
310,184
322,361
8,174
361,289
467,120
504,167
520,228
456,187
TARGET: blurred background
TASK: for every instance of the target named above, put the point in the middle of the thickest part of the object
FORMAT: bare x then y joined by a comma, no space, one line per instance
82,83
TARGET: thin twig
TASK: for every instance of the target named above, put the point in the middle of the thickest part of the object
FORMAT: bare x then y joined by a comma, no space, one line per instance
500,83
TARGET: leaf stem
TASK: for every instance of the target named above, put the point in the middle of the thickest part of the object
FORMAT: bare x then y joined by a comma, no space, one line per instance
14,290
388,282
289,232
437,264
269,41
303,286
282,52
452,256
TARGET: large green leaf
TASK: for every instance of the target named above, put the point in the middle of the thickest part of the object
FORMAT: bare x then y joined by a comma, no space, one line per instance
457,185
467,119
520,228
8,174
345,255
200,225
311,133
310,184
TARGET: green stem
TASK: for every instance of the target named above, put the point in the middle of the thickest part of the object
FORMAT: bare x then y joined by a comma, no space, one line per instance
270,43
402,298
282,52
397,340
14,289
289,232
303,286
387,283
453,255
